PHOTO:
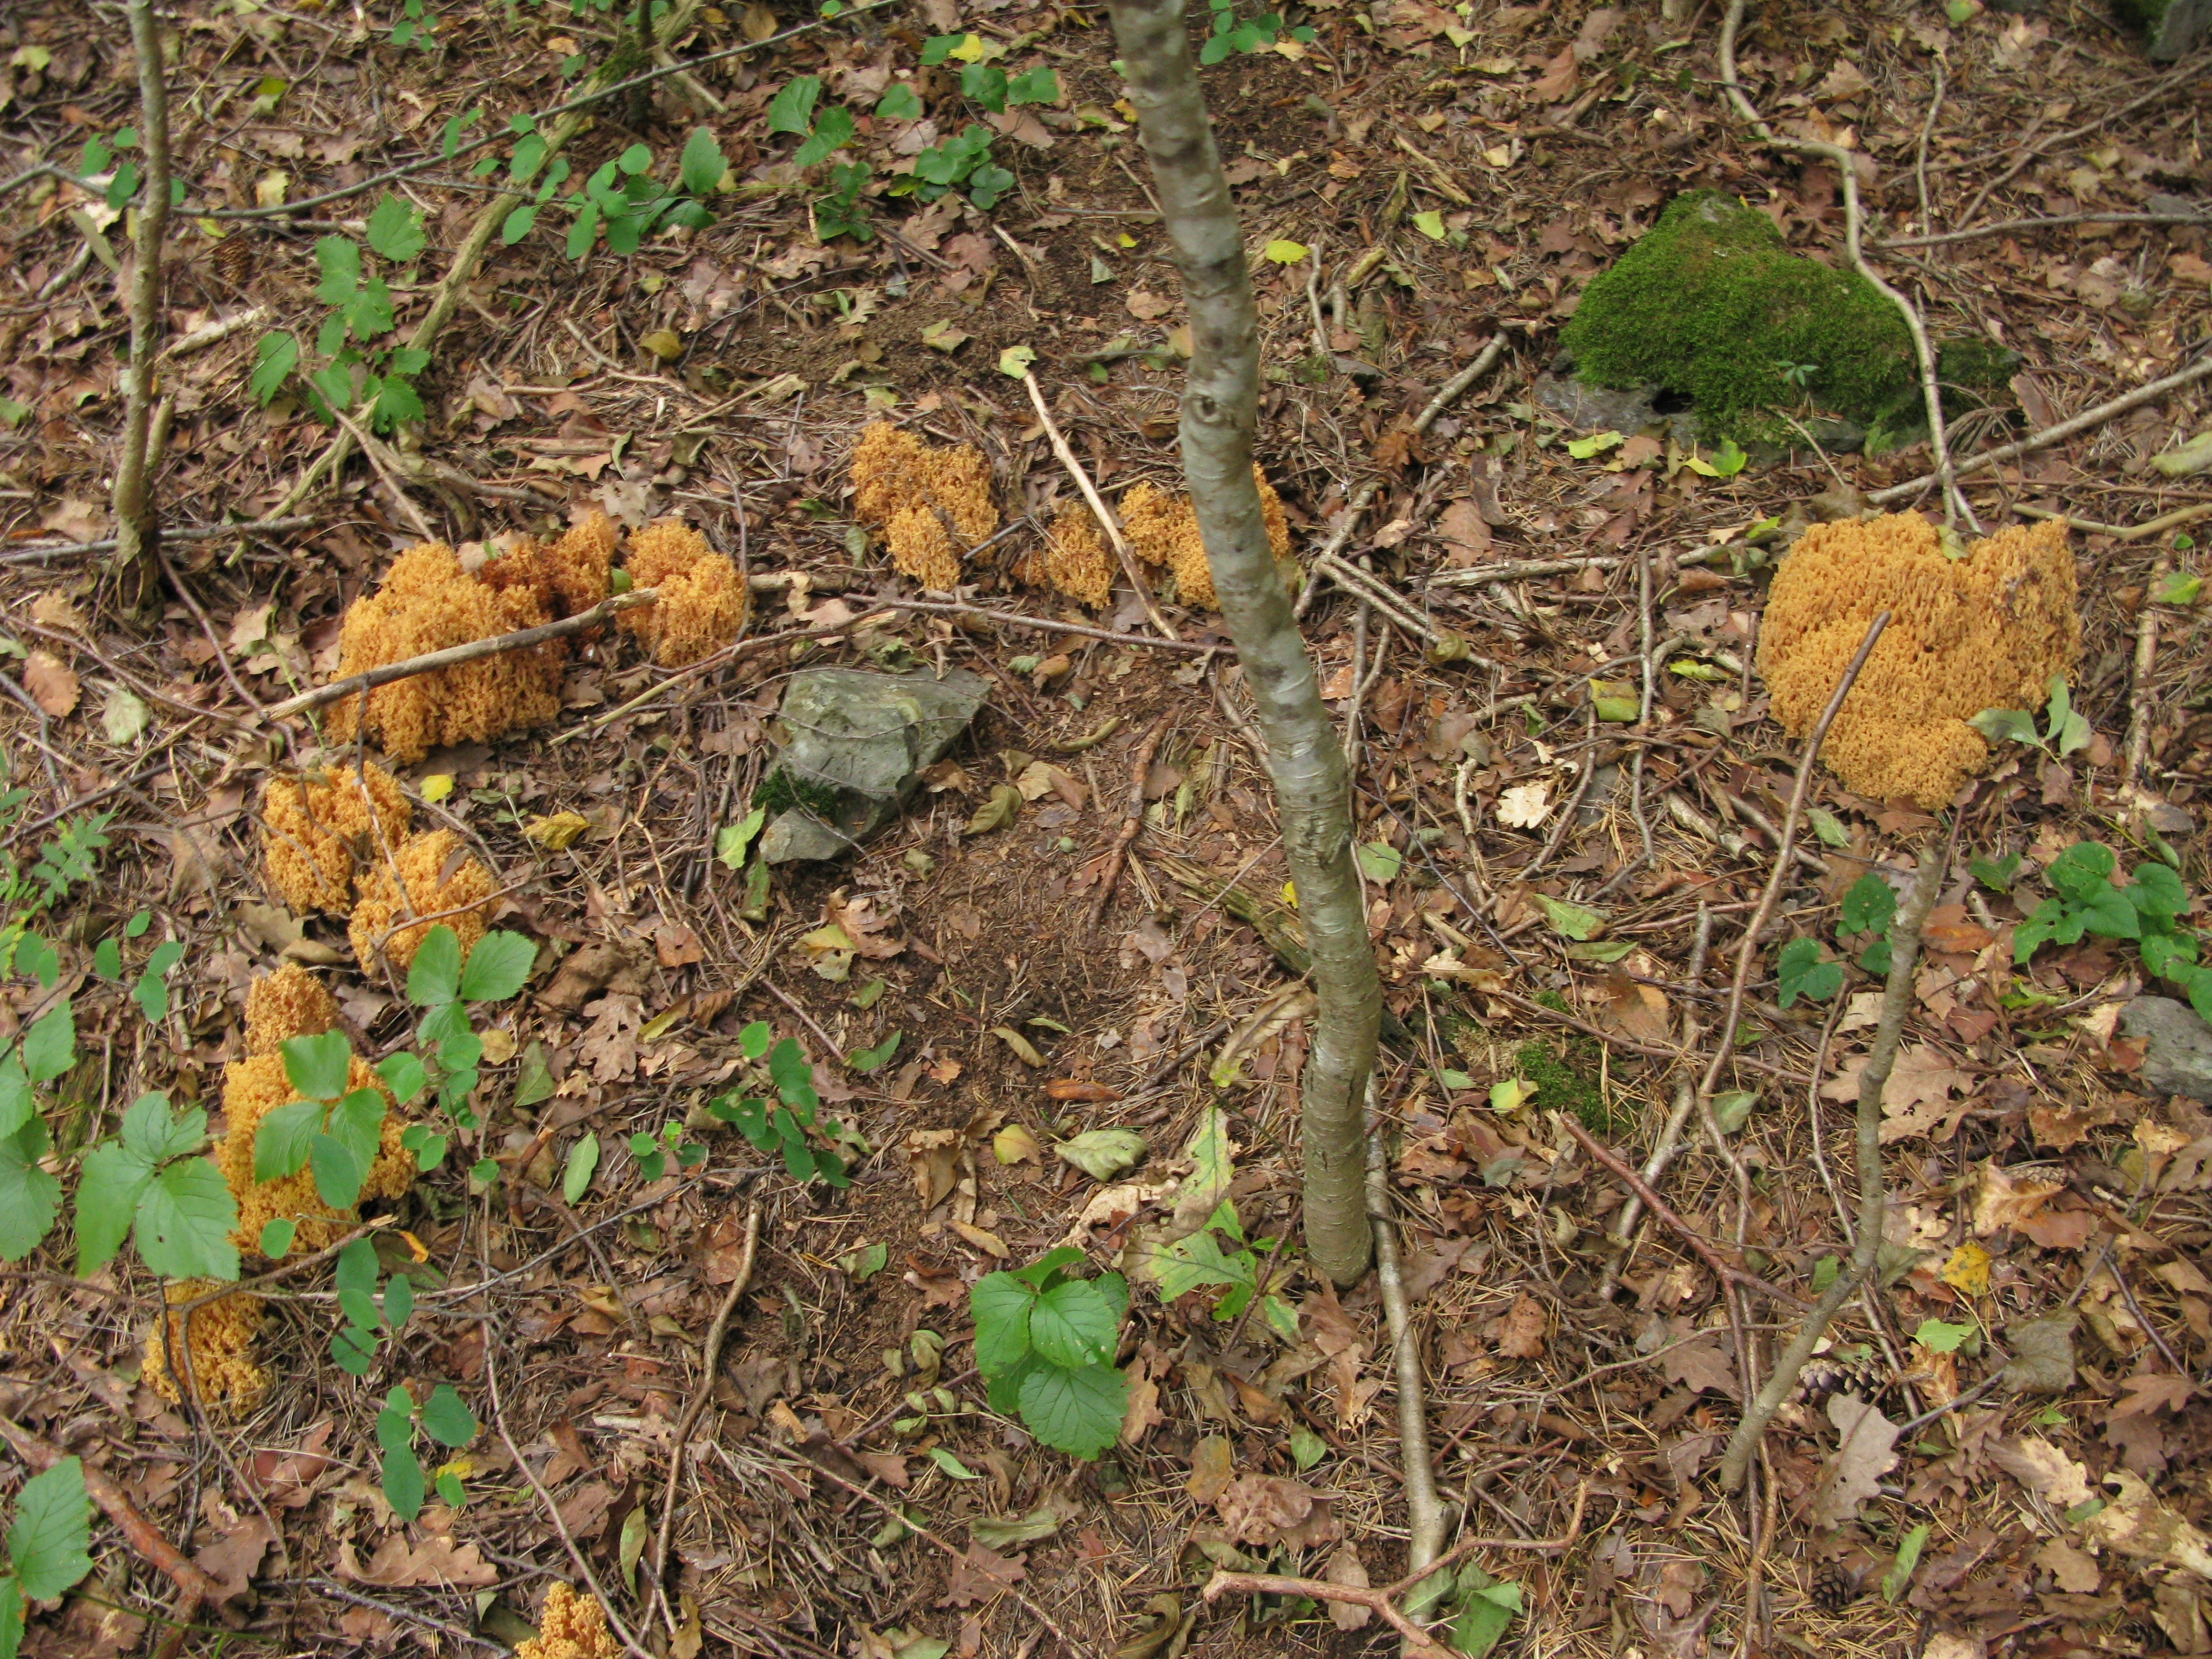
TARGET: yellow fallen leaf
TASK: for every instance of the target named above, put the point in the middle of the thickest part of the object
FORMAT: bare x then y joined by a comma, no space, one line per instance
557,832
1968,1270
664,344
437,786
1015,1145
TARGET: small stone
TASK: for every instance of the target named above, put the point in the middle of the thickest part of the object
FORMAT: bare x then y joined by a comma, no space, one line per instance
2177,1045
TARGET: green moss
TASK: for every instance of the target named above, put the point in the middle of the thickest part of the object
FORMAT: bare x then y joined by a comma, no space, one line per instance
1566,1077
1711,305
779,790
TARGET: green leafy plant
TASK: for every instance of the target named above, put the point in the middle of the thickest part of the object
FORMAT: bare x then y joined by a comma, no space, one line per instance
103,156
49,1545
2147,910
152,1182
2065,729
1995,873
839,213
1802,969
447,1049
1201,1259
791,1127
415,26
964,162
653,1151
1483,1607
447,1420
1045,1343
1250,34
353,1345
794,110
359,366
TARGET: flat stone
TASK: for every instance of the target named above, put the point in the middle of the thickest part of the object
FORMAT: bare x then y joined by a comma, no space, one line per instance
856,744
2177,1045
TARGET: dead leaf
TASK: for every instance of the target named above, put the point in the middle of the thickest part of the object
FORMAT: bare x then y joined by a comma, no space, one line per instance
233,1559
2002,1201
2073,1570
1704,1364
1147,307
1518,1334
2043,1470
867,929
287,1479
677,945
1273,1509
1213,1466
934,1155
1345,1568
1853,1475
397,1565
1916,1098
1557,84
55,610
2154,1391
981,1575
51,682
2137,1525
1462,528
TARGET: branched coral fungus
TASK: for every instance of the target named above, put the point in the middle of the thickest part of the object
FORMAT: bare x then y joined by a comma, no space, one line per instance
1077,560
442,879
703,600
253,1088
1986,631
572,1625
921,498
315,826
288,1003
428,603
215,1341
565,577
1163,529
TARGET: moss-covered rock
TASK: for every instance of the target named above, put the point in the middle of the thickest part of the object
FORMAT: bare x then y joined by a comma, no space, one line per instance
2171,28
1710,307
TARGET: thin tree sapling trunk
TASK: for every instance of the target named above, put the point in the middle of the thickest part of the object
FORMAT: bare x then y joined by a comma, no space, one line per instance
1220,405
136,529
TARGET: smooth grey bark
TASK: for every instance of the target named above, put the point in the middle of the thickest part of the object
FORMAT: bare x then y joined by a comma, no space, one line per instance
1220,405
135,527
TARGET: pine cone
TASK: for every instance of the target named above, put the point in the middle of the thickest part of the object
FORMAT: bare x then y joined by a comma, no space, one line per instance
1835,1587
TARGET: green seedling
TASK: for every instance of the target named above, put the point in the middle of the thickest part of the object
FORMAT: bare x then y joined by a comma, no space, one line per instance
1045,1344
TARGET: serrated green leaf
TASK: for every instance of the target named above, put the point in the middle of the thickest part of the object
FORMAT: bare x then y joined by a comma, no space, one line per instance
275,356
1379,860
185,1218
340,262
1001,1305
791,109
404,1074
702,165
583,1161
318,1068
283,1136
1868,907
48,1539
1074,1325
28,1195
395,230
338,1174
109,1183
49,1046
1078,1412
499,966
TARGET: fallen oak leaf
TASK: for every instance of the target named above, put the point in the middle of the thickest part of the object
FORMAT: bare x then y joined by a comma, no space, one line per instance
1866,1453
51,682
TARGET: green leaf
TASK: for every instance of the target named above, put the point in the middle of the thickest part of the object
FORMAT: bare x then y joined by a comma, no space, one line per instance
1485,1613
1997,873
1379,860
151,992
899,102
1868,907
702,165
2007,724
1937,1337
2177,587
533,1076
338,1173
1800,972
753,1040
1102,1154
339,261
185,1220
1037,86
1079,1412
1899,1575
49,1048
793,1077
1582,448
635,161
403,1074
109,1183
1728,459
2081,873
1074,1325
944,1458
1828,827
17,1103
1732,1109
395,230
518,224
1431,224
48,1538
499,966
318,1068
276,1235
434,978
399,1301
1571,919
833,130
583,1161
863,1264
281,1139
585,227
448,1421
874,1059
1001,1304
11,1616
1307,1447
275,356
404,1483
732,840
28,1195
791,109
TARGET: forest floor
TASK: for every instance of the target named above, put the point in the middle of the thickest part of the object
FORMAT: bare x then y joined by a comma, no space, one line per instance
1537,874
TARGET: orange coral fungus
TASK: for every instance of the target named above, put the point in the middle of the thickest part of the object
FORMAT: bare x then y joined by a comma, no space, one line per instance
572,1625
565,576
253,1088
921,497
313,825
702,601
428,603
441,876
1163,529
288,1003
1077,560
1986,631
217,1339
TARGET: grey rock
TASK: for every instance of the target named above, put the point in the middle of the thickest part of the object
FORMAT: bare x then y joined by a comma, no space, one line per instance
856,744
2177,1045
2171,28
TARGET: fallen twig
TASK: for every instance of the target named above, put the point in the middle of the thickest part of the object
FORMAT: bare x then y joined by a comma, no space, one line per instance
136,526
1384,1600
2006,227
148,1540
1107,521
2139,693
2122,532
953,608
1896,999
709,1360
197,533
1110,871
1521,569
453,655
1424,1513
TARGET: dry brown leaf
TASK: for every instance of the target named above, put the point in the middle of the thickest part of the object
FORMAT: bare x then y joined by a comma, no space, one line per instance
233,1559
1345,1568
1518,1332
1854,1473
51,682
981,1575
2073,1570
677,945
1272,1510
1704,1364
1916,1098
934,1155
435,1560
1213,1466
867,929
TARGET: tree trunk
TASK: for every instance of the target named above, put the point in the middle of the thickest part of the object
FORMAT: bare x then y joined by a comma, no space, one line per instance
136,529
1220,403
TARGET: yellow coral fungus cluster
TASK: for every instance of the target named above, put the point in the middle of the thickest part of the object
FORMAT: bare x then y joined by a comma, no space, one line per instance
315,828
428,603
1985,631
1163,529
572,1626
920,497
440,878
702,602
1077,560
256,1087
216,1341
288,1003
565,577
